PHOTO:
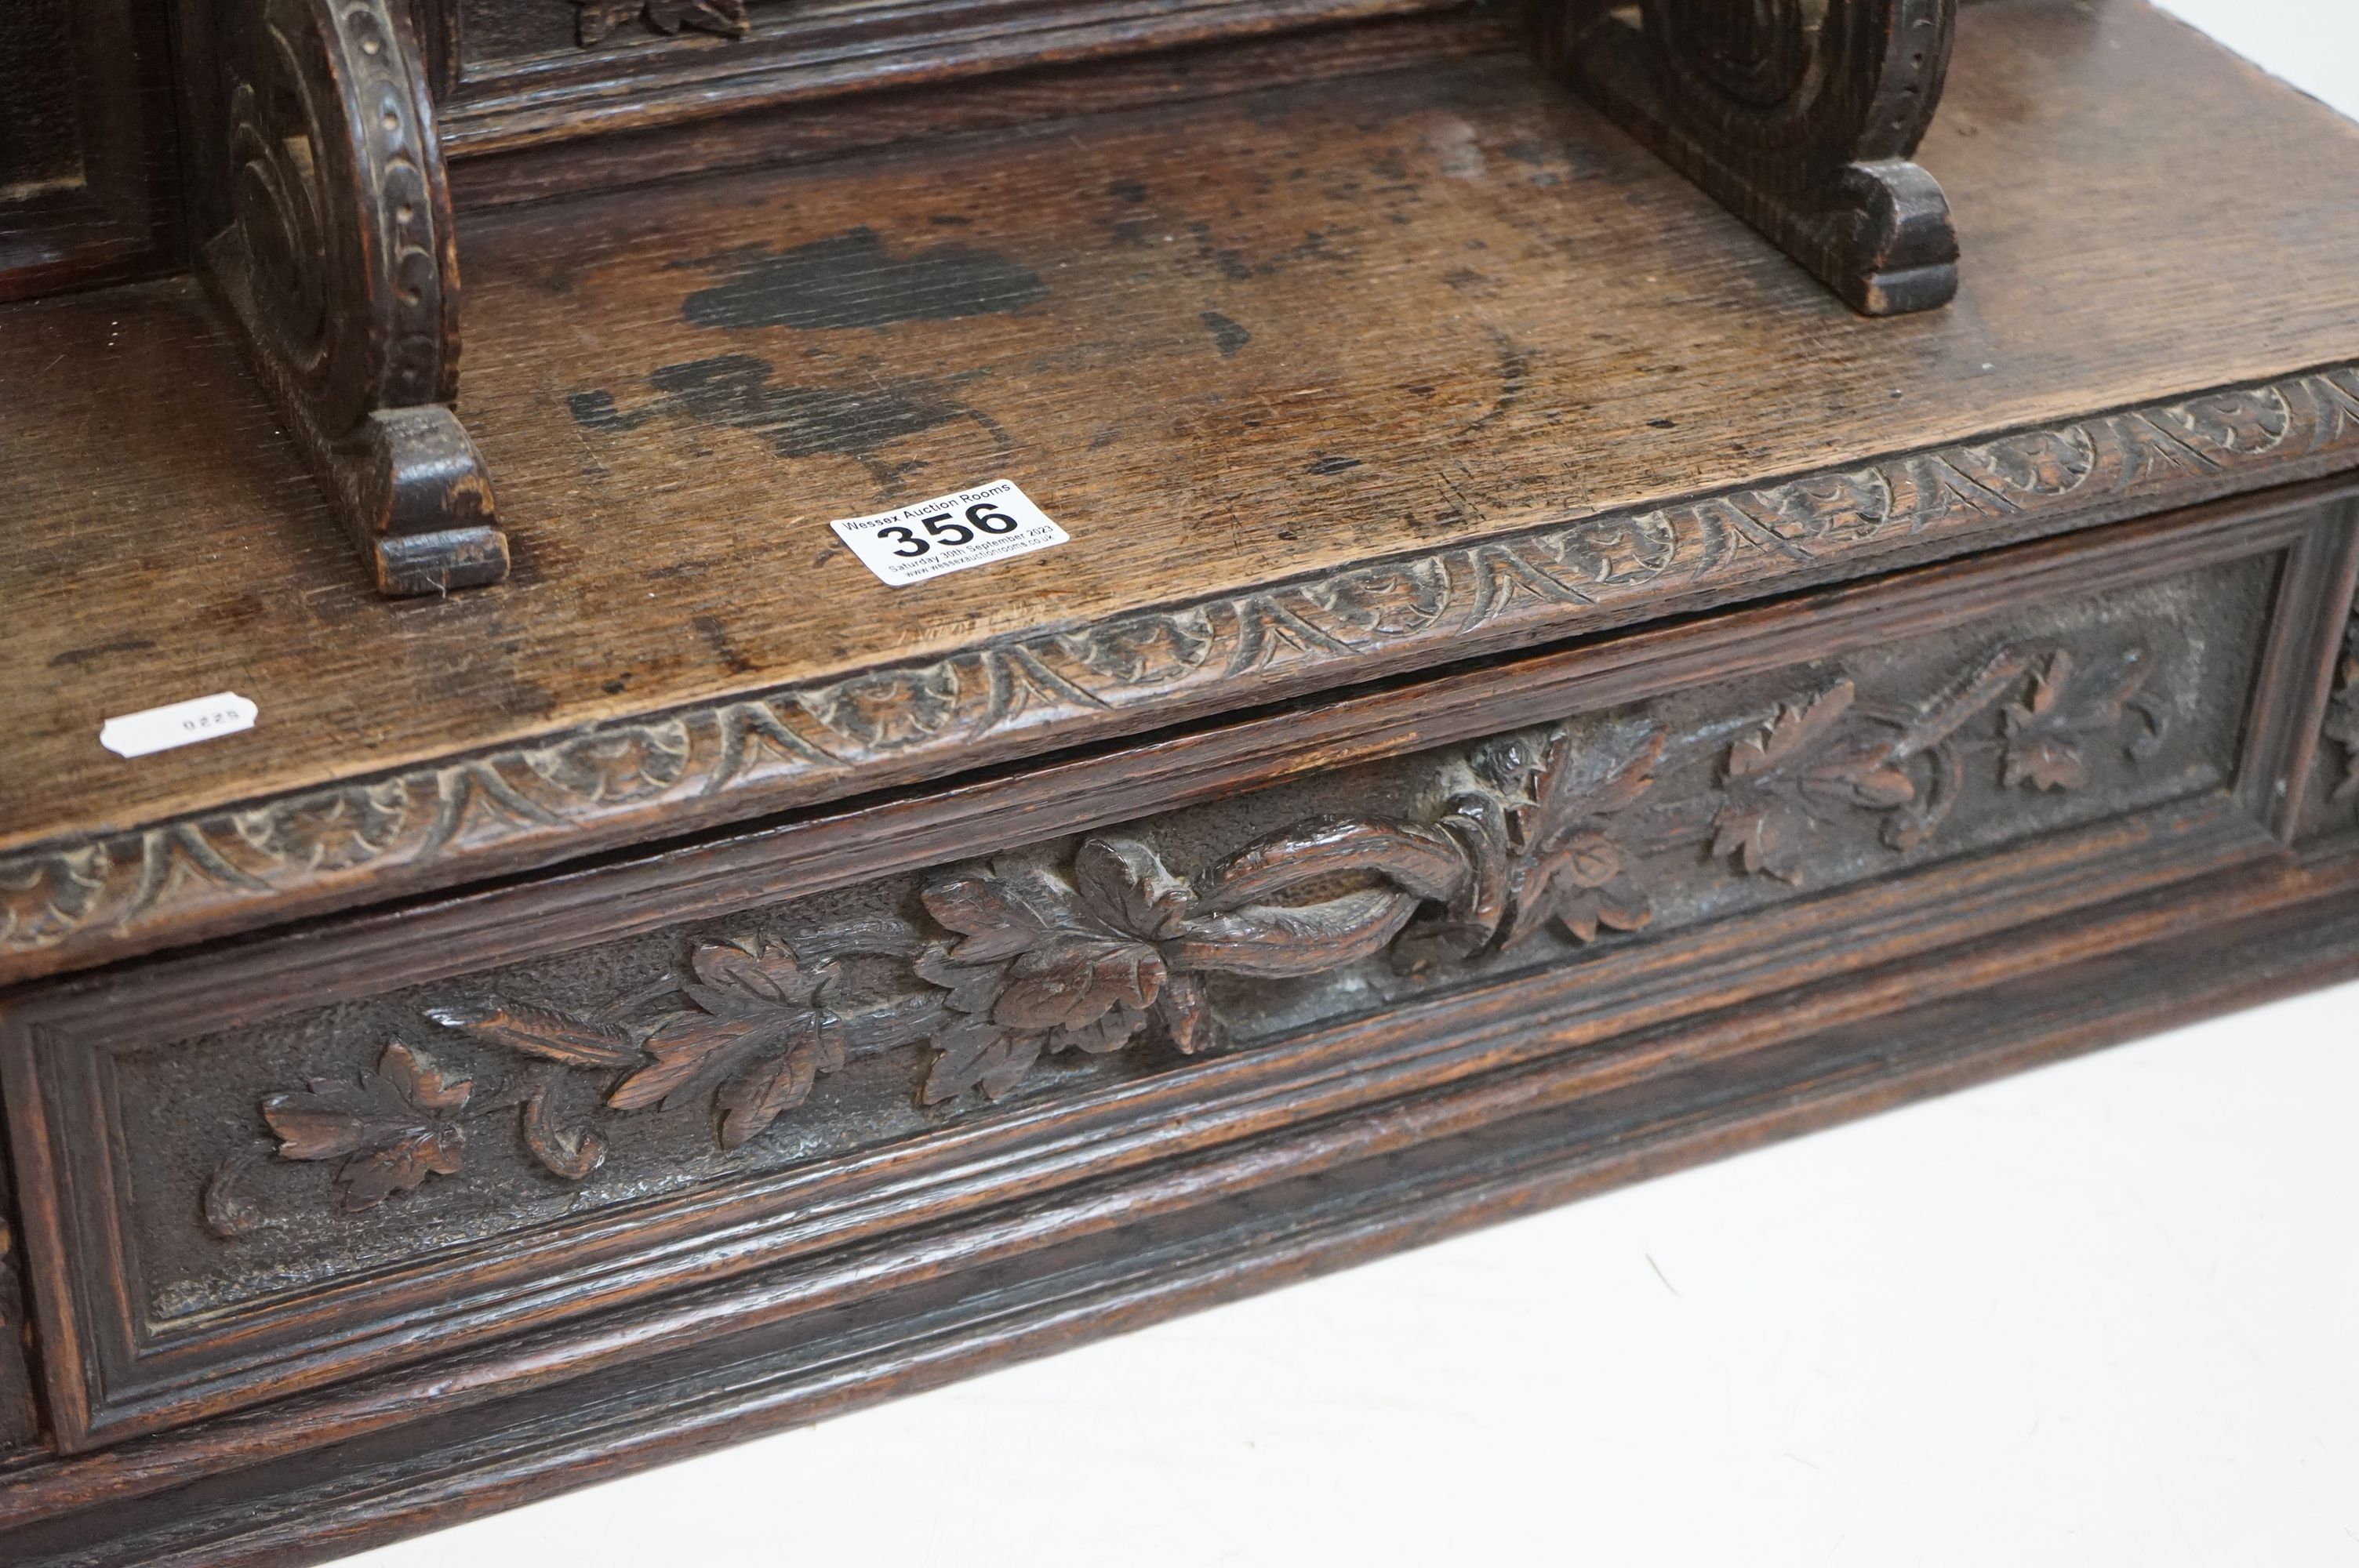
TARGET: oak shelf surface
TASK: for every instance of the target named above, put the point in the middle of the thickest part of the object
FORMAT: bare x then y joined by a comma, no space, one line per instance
1225,345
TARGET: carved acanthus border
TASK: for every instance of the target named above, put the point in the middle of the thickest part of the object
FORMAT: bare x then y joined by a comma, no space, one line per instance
77,901
1561,831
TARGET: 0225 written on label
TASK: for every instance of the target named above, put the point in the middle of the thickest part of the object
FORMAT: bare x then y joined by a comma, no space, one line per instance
994,521
176,724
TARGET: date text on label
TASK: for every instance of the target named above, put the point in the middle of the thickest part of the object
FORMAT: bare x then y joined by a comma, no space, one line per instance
949,533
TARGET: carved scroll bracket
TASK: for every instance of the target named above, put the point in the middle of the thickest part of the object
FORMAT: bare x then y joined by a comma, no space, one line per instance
1799,115
340,269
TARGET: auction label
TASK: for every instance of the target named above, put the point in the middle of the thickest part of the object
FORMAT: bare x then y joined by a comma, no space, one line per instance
994,521
178,724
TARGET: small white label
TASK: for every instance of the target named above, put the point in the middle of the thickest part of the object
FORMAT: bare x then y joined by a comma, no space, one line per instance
178,724
993,522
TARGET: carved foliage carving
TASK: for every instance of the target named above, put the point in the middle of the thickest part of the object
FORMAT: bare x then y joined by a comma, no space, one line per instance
2343,715
600,18
802,744
1106,945
391,1127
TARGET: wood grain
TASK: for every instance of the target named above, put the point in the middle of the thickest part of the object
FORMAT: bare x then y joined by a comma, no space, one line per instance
1538,694
89,178
1857,1044
669,452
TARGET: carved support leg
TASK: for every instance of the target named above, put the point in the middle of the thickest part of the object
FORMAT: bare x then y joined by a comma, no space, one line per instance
1799,115
340,269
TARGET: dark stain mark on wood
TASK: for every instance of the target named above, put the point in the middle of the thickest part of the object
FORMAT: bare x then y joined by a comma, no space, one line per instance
1231,263
853,280
1227,334
1327,465
716,637
734,391
73,656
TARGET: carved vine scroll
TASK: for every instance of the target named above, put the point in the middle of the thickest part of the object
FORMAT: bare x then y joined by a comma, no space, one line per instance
1800,115
1565,831
340,267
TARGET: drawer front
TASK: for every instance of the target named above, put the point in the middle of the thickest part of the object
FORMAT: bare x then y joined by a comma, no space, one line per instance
339,1150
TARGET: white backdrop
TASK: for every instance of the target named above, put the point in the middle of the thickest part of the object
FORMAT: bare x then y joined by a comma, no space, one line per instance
2104,1314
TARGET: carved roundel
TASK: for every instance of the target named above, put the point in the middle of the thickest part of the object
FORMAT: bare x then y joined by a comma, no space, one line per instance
1826,81
337,187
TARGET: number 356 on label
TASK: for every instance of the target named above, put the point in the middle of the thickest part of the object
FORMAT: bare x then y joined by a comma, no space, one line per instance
991,523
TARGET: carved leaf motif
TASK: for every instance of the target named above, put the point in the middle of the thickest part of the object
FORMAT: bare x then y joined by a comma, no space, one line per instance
1791,734
1568,866
1079,961
43,896
1070,985
1581,887
1128,889
1580,782
896,708
1618,551
690,1053
392,1127
330,830
2342,717
1145,649
1390,600
1040,965
1799,760
1554,832
760,1038
2038,463
600,18
2252,420
974,1055
2065,709
543,1031
616,764
769,971
757,1096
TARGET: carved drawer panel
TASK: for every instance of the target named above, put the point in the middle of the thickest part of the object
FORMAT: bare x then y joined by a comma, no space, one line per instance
2335,781
316,1154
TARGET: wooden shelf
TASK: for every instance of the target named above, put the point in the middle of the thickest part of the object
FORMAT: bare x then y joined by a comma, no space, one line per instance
1228,345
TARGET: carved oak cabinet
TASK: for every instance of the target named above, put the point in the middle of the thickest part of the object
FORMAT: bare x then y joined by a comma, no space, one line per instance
1633,588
